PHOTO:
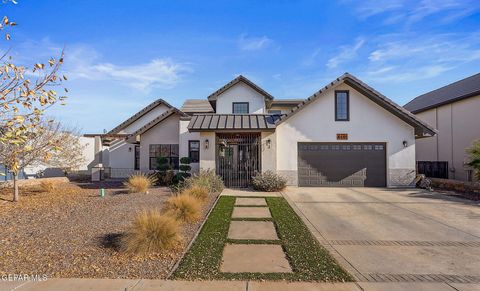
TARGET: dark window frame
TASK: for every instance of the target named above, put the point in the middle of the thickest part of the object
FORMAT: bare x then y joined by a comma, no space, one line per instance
348,105
192,160
136,157
173,155
240,103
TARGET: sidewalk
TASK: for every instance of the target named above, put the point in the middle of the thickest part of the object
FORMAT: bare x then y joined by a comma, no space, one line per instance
163,285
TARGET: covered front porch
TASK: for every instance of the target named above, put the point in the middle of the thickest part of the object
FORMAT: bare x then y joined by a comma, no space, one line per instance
236,146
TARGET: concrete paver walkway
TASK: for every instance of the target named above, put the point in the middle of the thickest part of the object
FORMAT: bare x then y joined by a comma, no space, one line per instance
250,202
253,257
251,212
252,230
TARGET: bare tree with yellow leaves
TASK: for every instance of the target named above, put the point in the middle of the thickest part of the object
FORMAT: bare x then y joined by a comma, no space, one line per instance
25,94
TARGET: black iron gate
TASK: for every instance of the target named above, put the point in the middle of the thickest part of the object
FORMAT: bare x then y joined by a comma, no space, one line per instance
238,158
433,169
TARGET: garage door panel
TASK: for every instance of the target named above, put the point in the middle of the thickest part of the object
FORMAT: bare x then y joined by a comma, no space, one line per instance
342,164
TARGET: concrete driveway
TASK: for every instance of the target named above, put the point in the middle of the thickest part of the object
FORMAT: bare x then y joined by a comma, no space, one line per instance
385,235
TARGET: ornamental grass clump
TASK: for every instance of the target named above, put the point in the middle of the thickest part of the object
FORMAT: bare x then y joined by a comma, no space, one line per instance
199,192
184,207
268,182
140,183
48,186
151,232
207,179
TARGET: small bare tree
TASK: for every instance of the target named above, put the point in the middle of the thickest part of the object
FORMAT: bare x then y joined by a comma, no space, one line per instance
48,144
69,155
23,102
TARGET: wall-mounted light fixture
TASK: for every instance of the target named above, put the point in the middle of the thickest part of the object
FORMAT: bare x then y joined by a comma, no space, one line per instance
405,143
268,143
129,149
207,144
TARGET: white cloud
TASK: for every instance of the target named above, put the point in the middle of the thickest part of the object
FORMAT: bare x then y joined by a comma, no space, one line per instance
84,63
398,75
401,58
347,53
411,11
253,43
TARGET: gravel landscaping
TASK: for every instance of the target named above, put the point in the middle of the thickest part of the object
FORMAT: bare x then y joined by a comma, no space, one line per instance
72,232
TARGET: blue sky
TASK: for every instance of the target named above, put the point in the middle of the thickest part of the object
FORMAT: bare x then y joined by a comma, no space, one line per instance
121,55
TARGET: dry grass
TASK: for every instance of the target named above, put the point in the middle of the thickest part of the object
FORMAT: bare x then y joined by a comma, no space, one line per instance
140,183
199,192
48,186
184,207
151,232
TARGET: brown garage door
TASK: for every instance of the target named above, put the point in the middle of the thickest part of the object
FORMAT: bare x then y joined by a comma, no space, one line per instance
341,164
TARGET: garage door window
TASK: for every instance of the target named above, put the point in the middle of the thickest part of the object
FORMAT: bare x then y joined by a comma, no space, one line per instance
342,104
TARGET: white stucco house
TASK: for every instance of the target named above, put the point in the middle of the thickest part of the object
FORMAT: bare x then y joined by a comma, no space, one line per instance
346,134
453,111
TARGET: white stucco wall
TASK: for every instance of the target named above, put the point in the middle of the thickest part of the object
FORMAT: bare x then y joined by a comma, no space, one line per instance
268,156
458,126
121,155
149,116
166,132
184,138
368,123
88,144
207,155
240,92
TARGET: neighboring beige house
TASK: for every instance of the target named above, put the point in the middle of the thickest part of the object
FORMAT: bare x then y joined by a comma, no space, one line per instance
346,134
454,110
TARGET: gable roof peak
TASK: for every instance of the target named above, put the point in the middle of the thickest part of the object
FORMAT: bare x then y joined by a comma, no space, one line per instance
239,78
421,128
139,114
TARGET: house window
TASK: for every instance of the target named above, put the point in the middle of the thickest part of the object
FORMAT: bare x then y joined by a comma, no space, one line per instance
342,104
240,108
194,151
168,151
137,157
275,112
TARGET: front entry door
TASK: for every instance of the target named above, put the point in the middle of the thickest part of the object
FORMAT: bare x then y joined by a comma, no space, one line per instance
238,158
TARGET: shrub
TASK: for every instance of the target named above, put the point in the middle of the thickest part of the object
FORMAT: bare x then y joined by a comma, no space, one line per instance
184,169
48,186
151,231
184,207
140,183
199,192
162,164
207,179
269,182
166,178
474,157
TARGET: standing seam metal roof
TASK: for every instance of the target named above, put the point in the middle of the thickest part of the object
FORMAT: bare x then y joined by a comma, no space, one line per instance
206,122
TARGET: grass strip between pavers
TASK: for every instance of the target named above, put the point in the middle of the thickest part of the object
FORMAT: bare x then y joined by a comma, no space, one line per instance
252,219
254,241
308,259
250,205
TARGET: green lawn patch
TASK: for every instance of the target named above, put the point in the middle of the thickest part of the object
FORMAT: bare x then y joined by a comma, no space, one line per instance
308,259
